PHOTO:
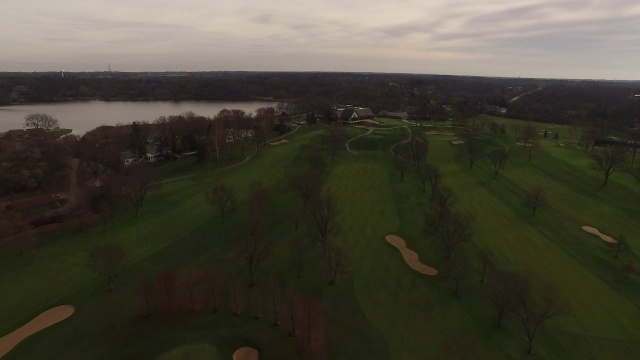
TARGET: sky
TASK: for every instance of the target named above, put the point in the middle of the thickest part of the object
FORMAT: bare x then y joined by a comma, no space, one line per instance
585,39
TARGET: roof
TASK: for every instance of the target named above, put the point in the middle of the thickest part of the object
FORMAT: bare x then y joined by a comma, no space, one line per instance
128,155
362,112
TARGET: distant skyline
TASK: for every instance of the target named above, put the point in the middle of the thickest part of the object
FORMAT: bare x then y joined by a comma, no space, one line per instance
588,39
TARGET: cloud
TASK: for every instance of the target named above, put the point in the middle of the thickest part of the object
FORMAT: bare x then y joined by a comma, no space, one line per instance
565,38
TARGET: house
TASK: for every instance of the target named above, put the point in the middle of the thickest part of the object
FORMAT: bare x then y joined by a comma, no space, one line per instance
16,134
349,113
495,109
128,158
394,115
152,154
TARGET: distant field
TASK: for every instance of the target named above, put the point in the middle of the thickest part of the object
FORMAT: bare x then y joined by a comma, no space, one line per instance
381,309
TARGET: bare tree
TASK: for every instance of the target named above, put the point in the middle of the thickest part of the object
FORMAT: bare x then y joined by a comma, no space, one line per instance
104,260
501,294
324,218
498,158
441,208
458,271
301,255
316,161
254,243
136,181
264,123
533,307
167,283
620,246
255,250
236,298
293,308
486,261
435,178
256,303
529,138
314,339
275,303
494,127
628,268
589,137
455,230
146,288
608,161
335,136
191,281
222,198
475,148
633,141
337,261
400,164
217,135
419,147
423,172
306,186
41,121
216,287
16,229
483,120
536,199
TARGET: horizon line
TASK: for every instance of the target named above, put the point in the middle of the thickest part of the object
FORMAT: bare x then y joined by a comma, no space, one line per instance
311,72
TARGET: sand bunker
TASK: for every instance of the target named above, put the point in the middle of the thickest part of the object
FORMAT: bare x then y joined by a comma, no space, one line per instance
279,142
436,132
40,322
528,145
245,353
410,256
602,236
457,142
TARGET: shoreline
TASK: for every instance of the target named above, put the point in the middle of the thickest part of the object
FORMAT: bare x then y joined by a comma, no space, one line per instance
256,99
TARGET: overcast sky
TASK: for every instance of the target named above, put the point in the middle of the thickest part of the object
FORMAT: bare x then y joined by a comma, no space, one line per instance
537,38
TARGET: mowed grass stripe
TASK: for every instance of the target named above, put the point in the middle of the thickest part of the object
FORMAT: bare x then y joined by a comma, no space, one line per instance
526,249
390,292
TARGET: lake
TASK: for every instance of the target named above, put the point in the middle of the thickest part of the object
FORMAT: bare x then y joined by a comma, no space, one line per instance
82,116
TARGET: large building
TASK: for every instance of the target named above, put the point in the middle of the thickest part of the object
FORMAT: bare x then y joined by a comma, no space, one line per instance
349,113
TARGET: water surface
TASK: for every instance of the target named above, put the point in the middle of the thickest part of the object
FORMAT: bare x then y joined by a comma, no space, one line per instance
82,116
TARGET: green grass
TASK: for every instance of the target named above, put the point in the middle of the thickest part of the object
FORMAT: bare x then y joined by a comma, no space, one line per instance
381,309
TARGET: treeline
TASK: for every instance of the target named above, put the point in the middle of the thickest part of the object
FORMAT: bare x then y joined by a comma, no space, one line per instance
422,96
74,181
603,104
33,160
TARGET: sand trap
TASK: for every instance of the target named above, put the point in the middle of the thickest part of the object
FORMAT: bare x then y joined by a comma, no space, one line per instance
410,256
457,142
245,353
435,132
40,322
528,145
279,142
561,144
602,236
